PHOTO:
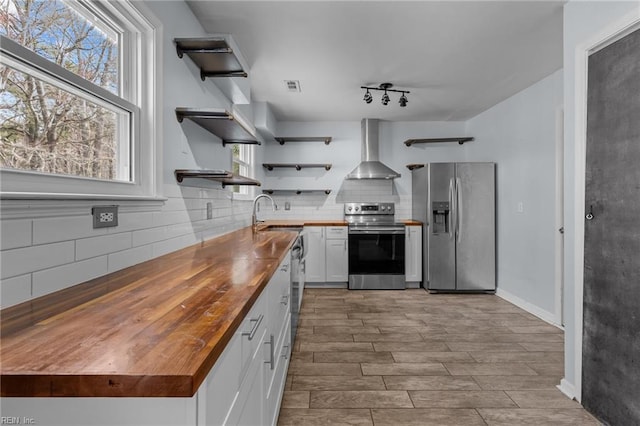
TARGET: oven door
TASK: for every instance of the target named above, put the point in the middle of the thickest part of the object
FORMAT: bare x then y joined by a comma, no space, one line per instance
376,258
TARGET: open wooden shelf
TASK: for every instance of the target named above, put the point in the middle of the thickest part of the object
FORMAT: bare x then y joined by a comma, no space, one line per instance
298,166
221,123
213,56
296,191
460,141
222,176
325,139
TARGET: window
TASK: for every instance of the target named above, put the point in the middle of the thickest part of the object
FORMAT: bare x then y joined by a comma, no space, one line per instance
76,103
242,165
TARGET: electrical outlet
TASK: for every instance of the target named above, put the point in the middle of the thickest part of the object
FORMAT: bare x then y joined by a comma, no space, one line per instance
287,205
520,207
209,210
105,216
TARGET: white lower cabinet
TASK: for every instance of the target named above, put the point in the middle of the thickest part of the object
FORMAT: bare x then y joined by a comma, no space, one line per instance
413,254
337,254
275,378
246,384
327,258
316,257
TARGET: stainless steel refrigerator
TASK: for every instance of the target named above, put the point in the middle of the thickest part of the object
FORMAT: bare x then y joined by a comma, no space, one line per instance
456,201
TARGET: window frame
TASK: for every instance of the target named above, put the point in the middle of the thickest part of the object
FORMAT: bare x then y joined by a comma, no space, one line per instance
138,80
246,158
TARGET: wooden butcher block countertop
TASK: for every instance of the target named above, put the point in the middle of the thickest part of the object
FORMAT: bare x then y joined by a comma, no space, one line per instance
287,223
154,329
272,224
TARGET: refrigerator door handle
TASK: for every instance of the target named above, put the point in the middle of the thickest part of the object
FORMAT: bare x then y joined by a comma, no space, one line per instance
459,208
452,207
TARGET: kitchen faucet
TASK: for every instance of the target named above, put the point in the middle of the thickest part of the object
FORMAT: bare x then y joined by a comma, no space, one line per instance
254,221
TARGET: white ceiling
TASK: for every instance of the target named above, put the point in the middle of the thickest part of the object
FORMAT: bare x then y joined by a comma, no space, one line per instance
457,58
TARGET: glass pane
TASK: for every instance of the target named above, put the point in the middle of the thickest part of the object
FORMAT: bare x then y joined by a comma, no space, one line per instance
44,128
55,31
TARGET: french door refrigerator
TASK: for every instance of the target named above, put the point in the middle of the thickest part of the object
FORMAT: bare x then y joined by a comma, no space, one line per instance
456,201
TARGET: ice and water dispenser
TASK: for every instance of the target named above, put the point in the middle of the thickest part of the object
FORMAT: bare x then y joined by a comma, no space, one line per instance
441,222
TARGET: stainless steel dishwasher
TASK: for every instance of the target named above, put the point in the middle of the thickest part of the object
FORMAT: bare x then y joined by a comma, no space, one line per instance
298,253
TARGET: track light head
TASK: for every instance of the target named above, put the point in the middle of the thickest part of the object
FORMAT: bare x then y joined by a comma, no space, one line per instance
367,97
403,100
385,98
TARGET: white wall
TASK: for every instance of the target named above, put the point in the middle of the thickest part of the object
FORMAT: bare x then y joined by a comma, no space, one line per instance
344,153
48,245
519,134
584,23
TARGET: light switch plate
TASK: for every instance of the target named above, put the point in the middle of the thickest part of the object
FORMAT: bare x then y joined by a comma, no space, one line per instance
105,216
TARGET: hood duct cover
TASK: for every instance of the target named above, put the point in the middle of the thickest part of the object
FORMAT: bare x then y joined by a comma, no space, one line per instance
370,167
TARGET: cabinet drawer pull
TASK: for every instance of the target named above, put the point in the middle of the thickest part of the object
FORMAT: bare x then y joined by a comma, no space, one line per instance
285,350
271,356
256,324
285,300
285,267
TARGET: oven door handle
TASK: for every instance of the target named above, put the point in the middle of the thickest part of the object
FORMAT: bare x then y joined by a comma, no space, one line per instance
377,231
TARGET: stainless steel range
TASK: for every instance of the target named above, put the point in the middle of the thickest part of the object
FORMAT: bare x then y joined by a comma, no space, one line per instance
376,247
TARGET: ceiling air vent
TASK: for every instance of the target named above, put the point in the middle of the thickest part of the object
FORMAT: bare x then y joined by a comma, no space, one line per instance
292,85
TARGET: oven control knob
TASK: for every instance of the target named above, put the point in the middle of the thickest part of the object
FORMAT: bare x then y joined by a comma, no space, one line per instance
350,208
357,208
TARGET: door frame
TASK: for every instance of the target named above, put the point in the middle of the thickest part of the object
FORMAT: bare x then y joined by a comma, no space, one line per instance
608,35
559,240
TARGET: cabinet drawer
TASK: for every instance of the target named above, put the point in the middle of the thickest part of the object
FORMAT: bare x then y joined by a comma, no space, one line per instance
275,379
248,406
250,332
336,232
279,298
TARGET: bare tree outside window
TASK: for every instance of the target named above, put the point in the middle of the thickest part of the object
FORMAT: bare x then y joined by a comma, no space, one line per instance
47,125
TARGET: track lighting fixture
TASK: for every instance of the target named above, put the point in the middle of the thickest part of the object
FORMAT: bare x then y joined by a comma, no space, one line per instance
385,97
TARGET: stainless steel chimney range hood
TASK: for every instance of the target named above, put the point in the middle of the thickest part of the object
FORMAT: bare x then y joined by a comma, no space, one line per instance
370,167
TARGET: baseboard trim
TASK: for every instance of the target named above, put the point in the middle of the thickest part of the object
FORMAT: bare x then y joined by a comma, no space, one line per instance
529,307
325,285
567,388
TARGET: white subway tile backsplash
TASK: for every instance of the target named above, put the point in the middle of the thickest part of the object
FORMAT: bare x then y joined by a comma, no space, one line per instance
167,246
178,230
179,204
132,222
54,279
15,290
35,258
148,236
170,217
50,230
125,258
105,244
15,233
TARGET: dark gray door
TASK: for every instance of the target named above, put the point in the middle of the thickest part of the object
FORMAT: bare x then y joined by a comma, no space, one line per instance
611,332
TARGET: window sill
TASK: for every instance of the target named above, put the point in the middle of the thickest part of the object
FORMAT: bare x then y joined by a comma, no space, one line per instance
17,205
58,196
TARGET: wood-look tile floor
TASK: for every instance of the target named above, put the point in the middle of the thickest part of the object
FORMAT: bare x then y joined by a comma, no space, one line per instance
414,358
